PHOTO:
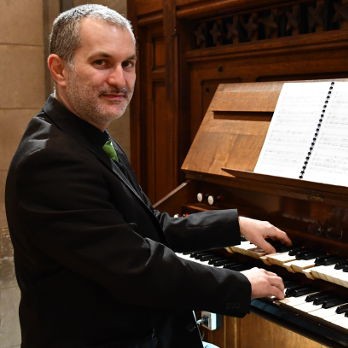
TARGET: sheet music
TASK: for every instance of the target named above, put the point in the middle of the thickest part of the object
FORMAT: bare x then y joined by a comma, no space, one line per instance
329,160
292,129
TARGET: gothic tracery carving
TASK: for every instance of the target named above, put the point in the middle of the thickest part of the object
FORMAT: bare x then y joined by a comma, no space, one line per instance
298,19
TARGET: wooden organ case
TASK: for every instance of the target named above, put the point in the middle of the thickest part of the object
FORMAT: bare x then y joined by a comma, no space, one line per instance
219,167
187,47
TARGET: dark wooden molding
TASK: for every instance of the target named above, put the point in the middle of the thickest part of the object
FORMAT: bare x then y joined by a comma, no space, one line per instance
287,20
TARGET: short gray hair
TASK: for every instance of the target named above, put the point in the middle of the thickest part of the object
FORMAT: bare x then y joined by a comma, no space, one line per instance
65,35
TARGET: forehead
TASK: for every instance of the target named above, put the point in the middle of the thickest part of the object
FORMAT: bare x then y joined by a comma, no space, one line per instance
96,34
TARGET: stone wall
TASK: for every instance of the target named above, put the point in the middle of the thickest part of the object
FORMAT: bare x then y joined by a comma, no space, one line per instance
22,93
24,26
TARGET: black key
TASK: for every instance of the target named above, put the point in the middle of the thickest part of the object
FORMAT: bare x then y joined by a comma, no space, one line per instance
213,259
291,289
230,264
297,290
294,251
300,253
197,254
303,291
342,309
220,262
322,299
312,254
205,257
340,264
308,254
288,283
278,246
333,302
239,267
312,297
326,260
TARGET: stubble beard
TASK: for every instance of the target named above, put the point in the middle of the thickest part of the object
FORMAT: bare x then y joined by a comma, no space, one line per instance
87,103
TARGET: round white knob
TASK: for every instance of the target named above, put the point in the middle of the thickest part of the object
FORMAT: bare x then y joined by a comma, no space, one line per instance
200,197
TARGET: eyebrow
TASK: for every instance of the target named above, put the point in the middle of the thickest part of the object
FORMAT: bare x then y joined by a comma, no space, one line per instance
132,57
107,55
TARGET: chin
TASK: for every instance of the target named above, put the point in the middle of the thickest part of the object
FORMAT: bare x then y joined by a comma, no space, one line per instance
113,116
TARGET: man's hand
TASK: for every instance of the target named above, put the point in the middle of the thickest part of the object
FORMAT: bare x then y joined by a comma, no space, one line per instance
264,283
257,231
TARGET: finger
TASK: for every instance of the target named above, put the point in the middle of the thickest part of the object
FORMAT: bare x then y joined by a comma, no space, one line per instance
277,282
266,246
278,293
274,279
282,236
272,274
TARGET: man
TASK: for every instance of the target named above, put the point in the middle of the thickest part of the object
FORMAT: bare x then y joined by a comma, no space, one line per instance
96,264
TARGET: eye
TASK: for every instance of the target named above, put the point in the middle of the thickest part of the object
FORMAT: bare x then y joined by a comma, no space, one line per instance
100,63
128,64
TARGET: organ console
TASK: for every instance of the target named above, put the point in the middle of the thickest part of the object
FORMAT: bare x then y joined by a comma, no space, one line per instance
220,163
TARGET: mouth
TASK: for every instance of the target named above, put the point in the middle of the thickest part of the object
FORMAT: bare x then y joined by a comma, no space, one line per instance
114,96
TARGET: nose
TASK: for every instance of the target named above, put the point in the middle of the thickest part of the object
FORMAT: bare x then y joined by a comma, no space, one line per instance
117,76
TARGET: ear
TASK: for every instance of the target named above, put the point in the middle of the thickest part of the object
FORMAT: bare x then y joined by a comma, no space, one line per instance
56,66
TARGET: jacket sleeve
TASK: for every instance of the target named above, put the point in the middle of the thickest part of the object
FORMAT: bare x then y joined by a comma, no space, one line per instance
198,231
202,230
69,224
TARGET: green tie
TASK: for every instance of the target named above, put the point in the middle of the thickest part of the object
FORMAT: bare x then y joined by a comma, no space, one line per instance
109,149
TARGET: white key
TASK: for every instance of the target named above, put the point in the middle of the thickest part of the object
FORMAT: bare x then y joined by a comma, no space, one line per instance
307,307
293,301
324,313
324,272
321,272
339,320
249,249
330,274
300,265
280,258
341,278
189,258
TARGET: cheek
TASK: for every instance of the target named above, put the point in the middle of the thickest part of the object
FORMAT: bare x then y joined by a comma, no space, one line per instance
91,77
131,80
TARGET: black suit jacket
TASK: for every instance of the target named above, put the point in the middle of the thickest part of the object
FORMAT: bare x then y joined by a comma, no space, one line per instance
95,263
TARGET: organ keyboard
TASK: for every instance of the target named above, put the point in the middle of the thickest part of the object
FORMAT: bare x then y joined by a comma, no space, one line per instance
219,165
321,309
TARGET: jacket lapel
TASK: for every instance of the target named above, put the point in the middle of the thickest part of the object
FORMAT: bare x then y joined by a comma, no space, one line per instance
83,133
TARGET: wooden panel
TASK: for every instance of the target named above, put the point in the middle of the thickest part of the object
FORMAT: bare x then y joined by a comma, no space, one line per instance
255,330
149,120
202,92
158,154
247,97
158,54
143,7
252,331
208,88
293,59
163,145
231,134
225,337
196,8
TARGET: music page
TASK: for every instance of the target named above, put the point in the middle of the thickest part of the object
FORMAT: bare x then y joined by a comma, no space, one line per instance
292,129
328,162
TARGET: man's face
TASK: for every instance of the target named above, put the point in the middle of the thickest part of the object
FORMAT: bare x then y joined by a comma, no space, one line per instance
100,82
